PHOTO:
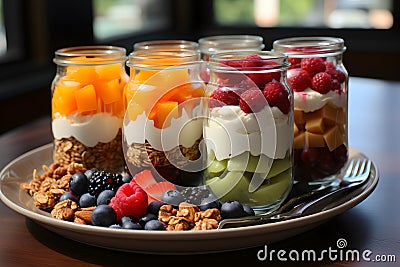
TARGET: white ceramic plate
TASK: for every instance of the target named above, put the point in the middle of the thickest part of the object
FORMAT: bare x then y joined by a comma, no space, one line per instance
162,242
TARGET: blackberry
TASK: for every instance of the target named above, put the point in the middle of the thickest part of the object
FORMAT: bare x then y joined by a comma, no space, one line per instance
101,180
195,195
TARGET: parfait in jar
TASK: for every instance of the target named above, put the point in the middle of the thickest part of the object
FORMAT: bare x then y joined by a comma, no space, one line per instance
163,123
249,129
319,82
87,106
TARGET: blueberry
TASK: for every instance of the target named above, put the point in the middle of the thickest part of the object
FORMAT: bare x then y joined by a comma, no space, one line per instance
126,177
172,197
154,225
87,200
232,209
115,226
154,207
131,225
68,195
248,210
210,203
105,197
103,215
79,183
147,217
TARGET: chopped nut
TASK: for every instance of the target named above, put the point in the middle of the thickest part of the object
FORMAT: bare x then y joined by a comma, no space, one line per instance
65,210
206,224
84,215
166,213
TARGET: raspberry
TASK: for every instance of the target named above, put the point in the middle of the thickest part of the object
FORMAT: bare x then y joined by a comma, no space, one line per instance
130,200
313,65
298,79
252,61
224,95
294,62
321,82
336,75
252,101
277,96
335,85
329,65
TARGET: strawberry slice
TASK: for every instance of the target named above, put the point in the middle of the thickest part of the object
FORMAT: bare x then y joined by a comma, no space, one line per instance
144,179
155,191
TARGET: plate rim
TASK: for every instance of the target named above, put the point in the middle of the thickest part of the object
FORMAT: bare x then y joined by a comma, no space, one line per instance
50,222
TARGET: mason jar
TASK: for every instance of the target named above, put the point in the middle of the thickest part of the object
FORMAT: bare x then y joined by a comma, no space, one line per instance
163,123
87,106
319,82
211,45
166,44
248,132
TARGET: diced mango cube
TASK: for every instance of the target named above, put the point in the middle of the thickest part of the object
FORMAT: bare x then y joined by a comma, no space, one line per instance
315,140
333,138
86,99
134,110
83,74
64,99
108,91
299,140
108,72
315,125
165,112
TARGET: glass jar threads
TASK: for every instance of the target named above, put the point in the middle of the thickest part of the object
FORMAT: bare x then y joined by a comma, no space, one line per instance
222,43
163,126
319,82
249,129
166,44
87,106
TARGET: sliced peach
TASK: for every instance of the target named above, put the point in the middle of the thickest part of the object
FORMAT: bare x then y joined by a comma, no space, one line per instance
108,91
86,99
108,72
143,75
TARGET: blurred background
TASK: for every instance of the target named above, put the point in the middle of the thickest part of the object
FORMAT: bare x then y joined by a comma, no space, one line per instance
32,30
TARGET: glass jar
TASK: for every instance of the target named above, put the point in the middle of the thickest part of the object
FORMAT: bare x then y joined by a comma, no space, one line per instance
166,44
163,124
319,81
211,45
249,129
87,106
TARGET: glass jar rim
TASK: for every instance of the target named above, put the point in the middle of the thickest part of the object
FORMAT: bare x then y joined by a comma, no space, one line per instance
276,60
157,44
213,44
90,55
162,58
313,46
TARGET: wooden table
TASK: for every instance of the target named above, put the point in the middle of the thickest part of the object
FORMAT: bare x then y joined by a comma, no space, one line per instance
374,119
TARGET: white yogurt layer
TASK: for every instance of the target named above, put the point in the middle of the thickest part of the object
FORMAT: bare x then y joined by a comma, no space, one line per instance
230,132
89,130
310,100
185,131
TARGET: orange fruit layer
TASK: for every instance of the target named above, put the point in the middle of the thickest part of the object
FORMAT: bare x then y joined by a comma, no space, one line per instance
92,89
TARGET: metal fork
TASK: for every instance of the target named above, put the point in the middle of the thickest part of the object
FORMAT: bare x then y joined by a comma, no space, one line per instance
356,175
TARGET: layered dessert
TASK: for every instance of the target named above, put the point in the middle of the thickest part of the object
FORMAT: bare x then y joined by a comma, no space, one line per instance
163,126
320,118
249,133
87,114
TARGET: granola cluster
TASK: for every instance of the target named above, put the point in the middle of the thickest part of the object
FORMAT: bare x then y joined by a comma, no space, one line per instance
47,188
187,217
68,210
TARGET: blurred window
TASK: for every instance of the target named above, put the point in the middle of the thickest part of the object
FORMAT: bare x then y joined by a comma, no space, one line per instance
113,18
363,14
3,39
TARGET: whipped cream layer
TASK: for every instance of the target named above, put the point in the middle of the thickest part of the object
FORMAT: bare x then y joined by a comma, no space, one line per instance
230,132
89,129
185,131
310,100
